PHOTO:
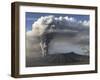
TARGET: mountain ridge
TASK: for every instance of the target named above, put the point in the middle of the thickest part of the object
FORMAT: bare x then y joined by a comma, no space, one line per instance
58,59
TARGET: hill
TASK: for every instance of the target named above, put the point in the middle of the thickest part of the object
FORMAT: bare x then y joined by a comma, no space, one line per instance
58,59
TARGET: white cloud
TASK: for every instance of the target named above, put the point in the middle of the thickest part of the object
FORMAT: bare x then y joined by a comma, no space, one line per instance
86,23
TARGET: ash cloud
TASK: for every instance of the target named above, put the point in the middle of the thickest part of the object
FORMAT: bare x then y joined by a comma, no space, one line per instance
75,38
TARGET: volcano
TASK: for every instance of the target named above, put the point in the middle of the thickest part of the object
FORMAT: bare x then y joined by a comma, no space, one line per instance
58,59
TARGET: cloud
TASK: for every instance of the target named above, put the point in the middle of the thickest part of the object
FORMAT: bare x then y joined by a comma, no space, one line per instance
75,35
32,45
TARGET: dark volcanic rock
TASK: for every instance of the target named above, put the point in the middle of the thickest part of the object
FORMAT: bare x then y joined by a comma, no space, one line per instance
58,59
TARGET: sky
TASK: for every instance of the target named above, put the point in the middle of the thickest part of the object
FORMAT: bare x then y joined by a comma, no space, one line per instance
76,38
32,17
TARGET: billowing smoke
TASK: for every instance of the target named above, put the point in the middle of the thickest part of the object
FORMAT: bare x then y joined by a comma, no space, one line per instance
73,35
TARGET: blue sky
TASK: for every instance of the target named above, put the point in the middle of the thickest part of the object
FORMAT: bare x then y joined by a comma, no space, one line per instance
32,17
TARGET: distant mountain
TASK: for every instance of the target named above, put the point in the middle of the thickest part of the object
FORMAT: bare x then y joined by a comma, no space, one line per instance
58,59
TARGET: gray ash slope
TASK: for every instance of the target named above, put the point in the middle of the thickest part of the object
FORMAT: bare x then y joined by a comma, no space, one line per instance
58,59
